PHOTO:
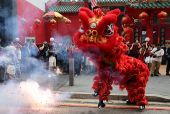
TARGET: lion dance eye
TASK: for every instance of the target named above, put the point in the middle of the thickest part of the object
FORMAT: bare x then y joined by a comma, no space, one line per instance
81,29
109,30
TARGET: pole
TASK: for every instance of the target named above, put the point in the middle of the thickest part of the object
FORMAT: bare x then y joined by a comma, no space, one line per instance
71,71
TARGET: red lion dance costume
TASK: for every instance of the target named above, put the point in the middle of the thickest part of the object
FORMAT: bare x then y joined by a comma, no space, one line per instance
97,38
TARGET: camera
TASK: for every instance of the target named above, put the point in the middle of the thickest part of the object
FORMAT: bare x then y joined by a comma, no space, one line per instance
154,56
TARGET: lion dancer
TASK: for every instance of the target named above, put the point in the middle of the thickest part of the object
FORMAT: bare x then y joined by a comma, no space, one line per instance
135,85
98,38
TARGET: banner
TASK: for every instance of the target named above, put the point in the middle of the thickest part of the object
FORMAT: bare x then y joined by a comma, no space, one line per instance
162,35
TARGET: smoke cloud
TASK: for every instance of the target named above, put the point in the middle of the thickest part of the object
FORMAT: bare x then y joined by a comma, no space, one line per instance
28,94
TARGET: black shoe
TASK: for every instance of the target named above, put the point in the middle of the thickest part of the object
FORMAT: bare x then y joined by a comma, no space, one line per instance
101,104
142,107
130,103
156,75
95,93
167,74
151,75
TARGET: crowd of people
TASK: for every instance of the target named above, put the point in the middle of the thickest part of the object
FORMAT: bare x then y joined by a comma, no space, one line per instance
56,55
53,56
152,55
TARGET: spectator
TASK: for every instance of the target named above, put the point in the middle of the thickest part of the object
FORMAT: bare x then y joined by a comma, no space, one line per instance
52,56
168,65
44,53
34,51
25,53
135,49
148,59
156,60
142,52
12,50
65,59
19,47
77,55
89,65
145,44
59,56
163,62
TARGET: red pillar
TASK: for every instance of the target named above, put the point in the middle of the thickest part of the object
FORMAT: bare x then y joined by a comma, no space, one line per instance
149,28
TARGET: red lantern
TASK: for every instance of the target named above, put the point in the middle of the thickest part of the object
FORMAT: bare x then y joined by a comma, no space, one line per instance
143,16
128,31
53,22
37,22
68,23
128,21
162,15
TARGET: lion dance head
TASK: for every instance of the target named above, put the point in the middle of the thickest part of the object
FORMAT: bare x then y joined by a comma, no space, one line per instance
98,35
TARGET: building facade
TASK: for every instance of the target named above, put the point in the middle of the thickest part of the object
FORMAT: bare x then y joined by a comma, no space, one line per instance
12,24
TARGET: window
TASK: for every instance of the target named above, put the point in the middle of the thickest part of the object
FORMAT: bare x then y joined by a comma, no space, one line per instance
30,40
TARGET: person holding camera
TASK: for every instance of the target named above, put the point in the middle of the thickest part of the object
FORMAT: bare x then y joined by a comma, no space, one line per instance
134,50
157,54
44,53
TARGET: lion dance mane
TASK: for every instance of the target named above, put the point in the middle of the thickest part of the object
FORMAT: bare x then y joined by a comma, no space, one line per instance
98,39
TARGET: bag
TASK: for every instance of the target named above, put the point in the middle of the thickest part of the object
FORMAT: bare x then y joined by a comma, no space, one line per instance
154,56
167,57
11,69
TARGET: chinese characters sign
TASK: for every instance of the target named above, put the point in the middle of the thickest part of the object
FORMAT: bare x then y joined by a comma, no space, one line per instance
136,33
162,35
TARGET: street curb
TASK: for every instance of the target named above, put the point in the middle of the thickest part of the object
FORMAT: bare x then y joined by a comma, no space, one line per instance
122,97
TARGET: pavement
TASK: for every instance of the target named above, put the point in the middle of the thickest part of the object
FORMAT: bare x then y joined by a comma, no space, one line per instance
157,93
78,110
156,89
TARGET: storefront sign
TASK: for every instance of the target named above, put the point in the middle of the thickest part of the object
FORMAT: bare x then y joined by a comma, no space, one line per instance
136,33
162,35
106,8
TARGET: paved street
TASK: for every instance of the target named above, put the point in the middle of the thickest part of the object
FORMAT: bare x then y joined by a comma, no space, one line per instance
156,85
79,110
83,83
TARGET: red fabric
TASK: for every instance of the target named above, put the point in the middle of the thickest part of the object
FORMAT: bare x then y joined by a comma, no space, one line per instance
148,53
141,57
113,66
69,55
136,50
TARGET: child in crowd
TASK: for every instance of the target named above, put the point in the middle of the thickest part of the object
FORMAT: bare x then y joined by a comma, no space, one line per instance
148,59
142,52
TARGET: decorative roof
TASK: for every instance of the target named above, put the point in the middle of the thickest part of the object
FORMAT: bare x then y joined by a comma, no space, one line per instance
110,1
67,8
149,5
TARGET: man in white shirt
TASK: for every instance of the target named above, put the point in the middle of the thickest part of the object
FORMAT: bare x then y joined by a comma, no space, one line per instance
12,50
156,60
